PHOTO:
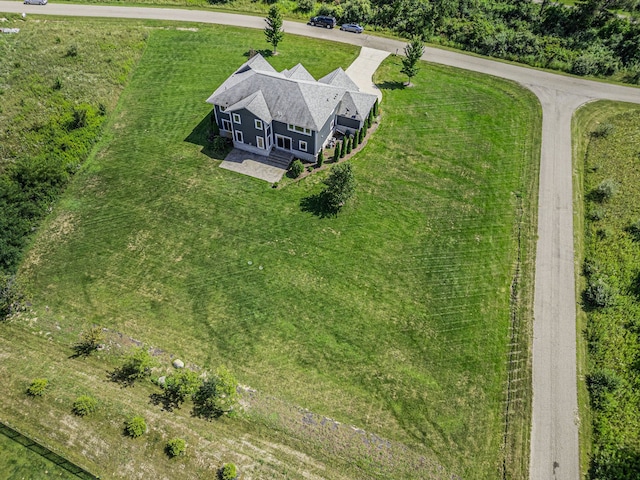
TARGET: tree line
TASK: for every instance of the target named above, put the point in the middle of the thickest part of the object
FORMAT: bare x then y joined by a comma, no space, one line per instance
592,38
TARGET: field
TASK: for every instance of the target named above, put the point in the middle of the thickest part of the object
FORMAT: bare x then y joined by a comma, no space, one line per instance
393,317
607,251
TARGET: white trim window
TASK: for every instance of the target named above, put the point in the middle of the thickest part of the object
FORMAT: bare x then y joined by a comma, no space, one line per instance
294,128
236,118
260,142
258,124
238,135
302,146
226,125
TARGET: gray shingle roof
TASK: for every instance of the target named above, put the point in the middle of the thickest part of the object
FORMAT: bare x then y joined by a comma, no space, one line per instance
256,104
339,78
299,73
292,96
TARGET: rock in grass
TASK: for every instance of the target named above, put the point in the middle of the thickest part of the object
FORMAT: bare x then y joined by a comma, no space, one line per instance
177,363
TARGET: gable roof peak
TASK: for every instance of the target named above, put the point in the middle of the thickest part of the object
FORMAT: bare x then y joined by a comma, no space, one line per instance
339,78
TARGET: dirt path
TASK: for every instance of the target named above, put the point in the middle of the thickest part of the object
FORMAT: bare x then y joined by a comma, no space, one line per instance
554,440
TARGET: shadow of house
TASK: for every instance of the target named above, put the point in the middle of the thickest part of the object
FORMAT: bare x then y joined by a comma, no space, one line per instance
203,135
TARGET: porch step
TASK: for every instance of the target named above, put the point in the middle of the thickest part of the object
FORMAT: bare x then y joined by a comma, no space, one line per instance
280,158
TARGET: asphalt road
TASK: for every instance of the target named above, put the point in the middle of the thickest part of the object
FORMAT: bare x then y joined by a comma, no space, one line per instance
554,435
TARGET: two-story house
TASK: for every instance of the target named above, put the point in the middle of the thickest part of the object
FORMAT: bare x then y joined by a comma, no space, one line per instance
261,109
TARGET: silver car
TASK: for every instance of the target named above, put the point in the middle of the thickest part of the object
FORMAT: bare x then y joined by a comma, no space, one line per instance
352,27
35,2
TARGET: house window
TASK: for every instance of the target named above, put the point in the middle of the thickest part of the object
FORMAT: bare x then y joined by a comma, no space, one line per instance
303,146
294,128
226,125
258,124
239,138
236,118
260,142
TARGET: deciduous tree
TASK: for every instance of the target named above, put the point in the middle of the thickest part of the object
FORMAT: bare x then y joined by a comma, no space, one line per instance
413,51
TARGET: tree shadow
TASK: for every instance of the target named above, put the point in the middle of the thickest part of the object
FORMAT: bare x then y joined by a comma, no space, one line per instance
122,376
391,85
265,52
317,205
82,350
169,402
203,135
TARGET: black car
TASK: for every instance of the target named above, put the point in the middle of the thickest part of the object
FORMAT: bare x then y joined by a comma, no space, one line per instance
322,21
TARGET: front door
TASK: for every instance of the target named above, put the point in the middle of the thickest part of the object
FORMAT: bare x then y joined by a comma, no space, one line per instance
283,143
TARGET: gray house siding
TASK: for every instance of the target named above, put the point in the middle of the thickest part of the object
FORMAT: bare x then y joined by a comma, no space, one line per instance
220,116
280,128
325,132
249,131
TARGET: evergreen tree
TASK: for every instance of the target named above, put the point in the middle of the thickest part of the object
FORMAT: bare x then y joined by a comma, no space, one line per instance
413,51
349,144
273,31
320,160
375,111
343,148
340,186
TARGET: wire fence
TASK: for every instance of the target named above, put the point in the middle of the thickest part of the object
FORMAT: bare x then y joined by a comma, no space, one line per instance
46,453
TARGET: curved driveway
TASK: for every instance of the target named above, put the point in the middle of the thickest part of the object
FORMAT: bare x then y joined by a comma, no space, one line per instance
554,435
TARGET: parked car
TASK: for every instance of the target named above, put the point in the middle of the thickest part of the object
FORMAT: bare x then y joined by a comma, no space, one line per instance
35,2
352,27
322,21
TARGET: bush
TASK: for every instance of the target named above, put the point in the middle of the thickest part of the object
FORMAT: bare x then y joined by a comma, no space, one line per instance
10,296
216,396
599,294
320,159
89,341
137,366
135,427
176,447
228,472
84,405
349,144
634,230
219,144
305,5
596,214
603,130
38,387
180,385
72,51
296,169
601,383
606,190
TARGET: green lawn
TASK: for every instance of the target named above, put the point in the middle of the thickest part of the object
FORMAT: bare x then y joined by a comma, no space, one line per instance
393,316
606,243
19,463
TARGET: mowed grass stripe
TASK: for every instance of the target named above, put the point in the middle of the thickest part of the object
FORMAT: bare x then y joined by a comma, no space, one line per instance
400,305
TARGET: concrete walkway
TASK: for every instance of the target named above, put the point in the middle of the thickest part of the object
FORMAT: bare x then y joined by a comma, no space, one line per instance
253,165
362,69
